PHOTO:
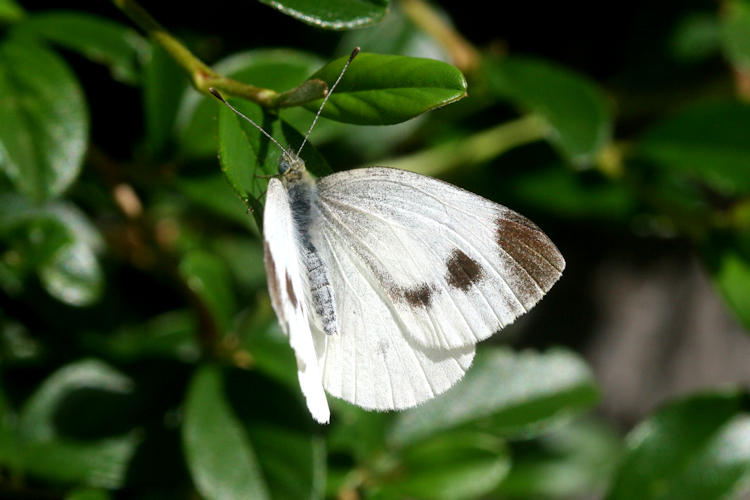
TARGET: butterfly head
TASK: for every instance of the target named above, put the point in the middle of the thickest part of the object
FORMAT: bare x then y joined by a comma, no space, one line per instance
291,166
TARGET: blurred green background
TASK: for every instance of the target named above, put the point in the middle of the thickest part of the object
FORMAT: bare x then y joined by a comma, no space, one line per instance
139,355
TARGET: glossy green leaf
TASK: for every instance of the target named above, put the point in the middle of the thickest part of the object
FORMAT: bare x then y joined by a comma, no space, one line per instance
219,454
214,193
45,453
735,31
88,494
385,89
560,191
207,277
278,69
578,113
37,414
357,432
696,37
261,335
332,14
293,463
44,130
452,465
728,260
697,448
168,335
244,258
57,241
102,463
246,153
706,141
508,392
571,461
97,38
17,345
72,275
10,11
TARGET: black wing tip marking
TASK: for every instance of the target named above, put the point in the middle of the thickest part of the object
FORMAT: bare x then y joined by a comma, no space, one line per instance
530,248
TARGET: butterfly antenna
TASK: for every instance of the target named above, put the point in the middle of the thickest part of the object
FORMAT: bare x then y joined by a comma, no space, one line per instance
328,94
216,94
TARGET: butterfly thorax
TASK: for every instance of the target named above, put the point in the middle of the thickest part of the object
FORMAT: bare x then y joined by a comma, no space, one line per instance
302,192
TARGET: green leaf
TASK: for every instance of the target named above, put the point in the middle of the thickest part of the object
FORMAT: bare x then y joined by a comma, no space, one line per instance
207,277
696,37
17,345
571,461
293,463
212,192
357,432
96,38
277,69
246,153
707,141
10,11
728,260
45,453
384,89
168,335
44,130
220,457
508,392
37,414
103,463
72,275
332,14
58,242
452,465
562,192
163,84
88,494
735,33
698,448
244,258
261,335
576,109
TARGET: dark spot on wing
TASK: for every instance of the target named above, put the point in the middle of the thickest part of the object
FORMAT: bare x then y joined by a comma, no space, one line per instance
532,251
418,296
273,284
290,291
462,271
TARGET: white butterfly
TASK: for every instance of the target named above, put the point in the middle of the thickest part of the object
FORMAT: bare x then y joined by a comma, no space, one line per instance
385,279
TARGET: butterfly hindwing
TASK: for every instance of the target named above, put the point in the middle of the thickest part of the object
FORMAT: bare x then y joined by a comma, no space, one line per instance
372,361
288,287
453,267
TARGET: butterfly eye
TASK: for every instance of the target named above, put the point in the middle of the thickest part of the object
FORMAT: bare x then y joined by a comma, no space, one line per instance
284,165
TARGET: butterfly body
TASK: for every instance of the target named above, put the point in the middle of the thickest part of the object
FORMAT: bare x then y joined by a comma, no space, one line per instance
385,280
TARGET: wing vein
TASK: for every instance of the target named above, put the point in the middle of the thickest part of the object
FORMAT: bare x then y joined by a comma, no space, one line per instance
469,245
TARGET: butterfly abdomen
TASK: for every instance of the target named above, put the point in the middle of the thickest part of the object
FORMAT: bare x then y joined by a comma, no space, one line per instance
301,196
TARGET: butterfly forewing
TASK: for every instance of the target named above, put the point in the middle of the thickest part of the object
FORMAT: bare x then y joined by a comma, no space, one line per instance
452,267
289,292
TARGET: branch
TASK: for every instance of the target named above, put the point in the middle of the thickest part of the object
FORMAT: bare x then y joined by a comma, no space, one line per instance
474,149
203,77
463,54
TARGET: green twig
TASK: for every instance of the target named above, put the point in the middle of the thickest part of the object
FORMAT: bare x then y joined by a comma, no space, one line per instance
201,75
474,149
